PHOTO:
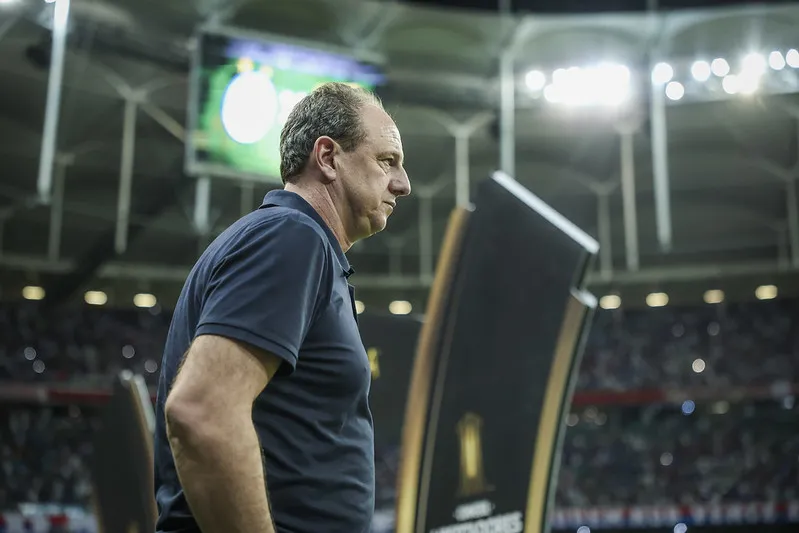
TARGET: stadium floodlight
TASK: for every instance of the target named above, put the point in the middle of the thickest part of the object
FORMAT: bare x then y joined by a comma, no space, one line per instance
748,83
776,61
33,292
754,64
720,67
662,73
766,292
535,80
610,301
730,84
675,90
602,84
714,296
700,70
657,299
400,307
145,300
95,298
792,58
559,76
551,94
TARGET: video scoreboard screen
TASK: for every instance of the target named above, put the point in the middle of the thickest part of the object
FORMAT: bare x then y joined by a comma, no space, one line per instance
242,91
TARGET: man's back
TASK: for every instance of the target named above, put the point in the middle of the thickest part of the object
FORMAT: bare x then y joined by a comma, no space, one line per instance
277,280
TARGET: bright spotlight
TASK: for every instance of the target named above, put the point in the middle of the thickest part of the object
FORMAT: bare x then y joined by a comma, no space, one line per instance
776,61
730,84
675,90
359,307
657,299
610,301
95,297
662,73
792,58
535,80
700,70
766,292
400,307
145,300
714,296
720,67
754,64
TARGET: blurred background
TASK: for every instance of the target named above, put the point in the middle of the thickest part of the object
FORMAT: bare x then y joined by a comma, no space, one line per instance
133,132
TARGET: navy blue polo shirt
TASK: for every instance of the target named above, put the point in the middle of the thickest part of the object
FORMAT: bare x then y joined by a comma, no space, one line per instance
277,279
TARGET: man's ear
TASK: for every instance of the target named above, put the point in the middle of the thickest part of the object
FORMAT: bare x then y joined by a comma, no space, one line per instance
325,151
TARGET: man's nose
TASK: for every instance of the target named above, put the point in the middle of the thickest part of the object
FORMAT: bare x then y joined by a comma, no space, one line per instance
401,184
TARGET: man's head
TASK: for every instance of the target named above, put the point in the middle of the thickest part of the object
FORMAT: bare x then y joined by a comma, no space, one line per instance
341,138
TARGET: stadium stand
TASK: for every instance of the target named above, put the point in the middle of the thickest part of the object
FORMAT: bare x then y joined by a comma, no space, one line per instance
637,437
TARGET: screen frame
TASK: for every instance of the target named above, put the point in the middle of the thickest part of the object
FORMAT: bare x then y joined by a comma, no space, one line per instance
197,169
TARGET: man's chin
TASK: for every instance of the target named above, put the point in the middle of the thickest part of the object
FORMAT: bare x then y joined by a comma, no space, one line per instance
379,225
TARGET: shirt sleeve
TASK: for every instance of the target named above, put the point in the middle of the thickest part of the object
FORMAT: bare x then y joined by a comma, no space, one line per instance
265,290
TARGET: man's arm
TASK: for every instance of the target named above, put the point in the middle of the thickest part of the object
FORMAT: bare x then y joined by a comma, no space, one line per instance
213,440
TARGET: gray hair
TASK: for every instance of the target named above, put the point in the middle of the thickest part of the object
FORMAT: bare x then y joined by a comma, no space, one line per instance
333,110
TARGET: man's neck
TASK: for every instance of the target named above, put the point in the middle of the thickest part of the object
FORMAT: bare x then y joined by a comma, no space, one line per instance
323,204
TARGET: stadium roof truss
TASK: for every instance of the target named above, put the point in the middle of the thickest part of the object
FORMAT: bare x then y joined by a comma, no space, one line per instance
676,177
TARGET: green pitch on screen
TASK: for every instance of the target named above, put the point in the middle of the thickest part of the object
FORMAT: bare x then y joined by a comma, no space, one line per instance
244,111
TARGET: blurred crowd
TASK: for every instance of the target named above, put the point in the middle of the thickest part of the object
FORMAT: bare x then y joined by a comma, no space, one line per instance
733,344
44,455
86,344
635,455
706,453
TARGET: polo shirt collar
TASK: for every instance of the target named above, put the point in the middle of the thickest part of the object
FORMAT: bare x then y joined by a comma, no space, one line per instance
283,198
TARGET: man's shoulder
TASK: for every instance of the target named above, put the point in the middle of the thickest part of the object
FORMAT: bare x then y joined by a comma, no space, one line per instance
280,224
271,228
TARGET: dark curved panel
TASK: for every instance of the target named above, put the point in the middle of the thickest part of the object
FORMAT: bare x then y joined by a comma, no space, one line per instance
499,355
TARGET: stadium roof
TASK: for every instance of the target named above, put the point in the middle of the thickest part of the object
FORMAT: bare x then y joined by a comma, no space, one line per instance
731,159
